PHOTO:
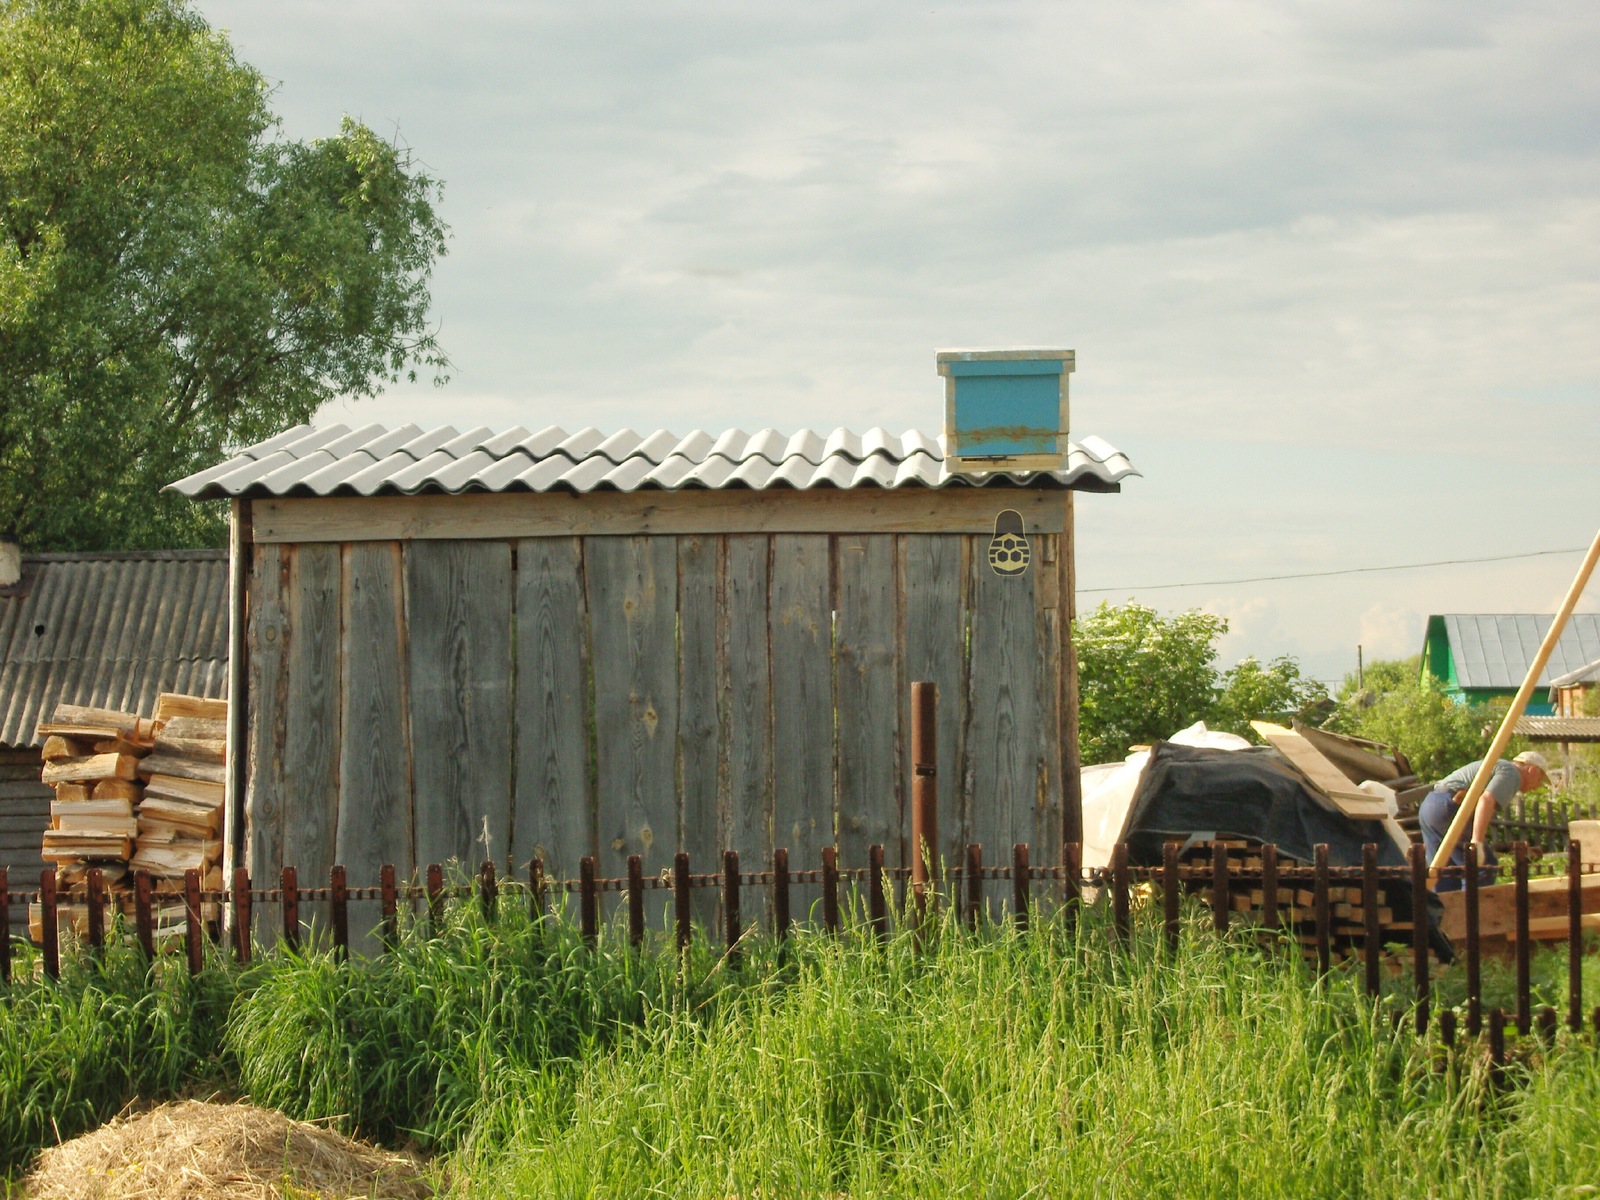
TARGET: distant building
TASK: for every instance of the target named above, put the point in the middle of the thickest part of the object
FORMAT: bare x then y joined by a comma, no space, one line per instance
1567,691
1483,658
107,630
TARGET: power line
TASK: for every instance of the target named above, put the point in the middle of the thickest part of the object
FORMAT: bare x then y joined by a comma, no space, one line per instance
1444,562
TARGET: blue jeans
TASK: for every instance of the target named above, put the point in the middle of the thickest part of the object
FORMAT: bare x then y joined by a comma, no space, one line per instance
1434,815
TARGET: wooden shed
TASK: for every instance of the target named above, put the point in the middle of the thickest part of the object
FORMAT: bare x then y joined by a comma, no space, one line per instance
466,645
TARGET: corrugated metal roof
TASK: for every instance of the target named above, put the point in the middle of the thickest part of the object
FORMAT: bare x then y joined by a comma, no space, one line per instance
374,461
1558,729
110,630
1588,673
1496,651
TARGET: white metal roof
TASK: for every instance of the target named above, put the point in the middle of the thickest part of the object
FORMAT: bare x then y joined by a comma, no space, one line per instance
1495,651
372,461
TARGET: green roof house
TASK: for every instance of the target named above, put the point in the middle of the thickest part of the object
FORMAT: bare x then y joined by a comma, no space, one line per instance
1482,658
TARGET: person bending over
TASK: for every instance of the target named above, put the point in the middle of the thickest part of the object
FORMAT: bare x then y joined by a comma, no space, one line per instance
1523,773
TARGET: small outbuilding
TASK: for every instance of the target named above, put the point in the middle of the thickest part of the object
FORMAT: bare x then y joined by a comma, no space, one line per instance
464,645
1482,658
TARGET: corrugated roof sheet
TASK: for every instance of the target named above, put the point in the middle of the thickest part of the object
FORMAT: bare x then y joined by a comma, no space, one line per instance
110,630
375,461
1559,729
1496,651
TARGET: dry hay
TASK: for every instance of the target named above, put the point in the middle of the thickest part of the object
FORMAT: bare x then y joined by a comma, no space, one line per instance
200,1150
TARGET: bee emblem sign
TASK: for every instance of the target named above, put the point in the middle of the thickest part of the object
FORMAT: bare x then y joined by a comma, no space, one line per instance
1009,552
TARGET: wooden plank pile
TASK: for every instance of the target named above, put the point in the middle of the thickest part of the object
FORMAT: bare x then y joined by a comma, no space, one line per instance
1297,916
134,794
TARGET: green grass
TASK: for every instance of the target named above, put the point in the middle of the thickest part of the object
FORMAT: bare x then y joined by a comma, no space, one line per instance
985,1064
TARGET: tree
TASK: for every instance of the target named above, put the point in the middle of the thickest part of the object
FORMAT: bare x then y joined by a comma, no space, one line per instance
1276,692
174,280
1397,707
1142,676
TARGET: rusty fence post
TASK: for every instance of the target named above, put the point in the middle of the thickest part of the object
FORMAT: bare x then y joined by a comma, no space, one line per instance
780,893
1372,932
1574,936
536,907
390,902
1519,851
97,909
1021,877
635,901
1269,886
974,884
1072,893
435,888
341,912
1497,1045
1474,962
289,884
1171,895
1221,891
241,914
682,912
924,793
144,925
1120,900
1420,955
50,931
1319,901
830,889
730,904
877,905
488,890
192,942
588,900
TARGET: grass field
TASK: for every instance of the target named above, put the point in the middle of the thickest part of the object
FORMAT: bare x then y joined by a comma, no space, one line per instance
986,1064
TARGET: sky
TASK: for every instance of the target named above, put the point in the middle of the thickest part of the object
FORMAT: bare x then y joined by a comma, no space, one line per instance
1331,272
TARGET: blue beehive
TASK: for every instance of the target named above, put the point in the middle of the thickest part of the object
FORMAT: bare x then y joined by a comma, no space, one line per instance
1005,410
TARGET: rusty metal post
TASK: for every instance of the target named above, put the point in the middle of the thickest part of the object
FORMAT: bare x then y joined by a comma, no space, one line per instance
1072,894
50,931
1221,892
389,899
730,903
1524,949
241,914
588,900
1372,931
780,892
924,793
877,906
974,882
1120,922
1447,1027
341,912
830,889
144,925
1420,955
191,920
1497,1045
536,906
435,888
635,901
1574,936
1021,878
488,890
1171,894
1474,959
97,909
1269,886
1319,902
682,914
289,884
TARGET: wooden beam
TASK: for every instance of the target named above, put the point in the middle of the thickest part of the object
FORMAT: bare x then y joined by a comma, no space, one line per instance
724,510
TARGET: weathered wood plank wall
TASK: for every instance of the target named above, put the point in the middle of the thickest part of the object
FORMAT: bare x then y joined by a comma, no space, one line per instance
618,695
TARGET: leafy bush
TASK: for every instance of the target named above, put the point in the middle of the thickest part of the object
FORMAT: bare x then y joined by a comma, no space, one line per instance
1435,733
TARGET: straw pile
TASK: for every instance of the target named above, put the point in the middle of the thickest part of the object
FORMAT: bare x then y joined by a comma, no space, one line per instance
199,1150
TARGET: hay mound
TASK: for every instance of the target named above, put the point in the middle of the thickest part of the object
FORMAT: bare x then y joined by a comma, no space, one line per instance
198,1150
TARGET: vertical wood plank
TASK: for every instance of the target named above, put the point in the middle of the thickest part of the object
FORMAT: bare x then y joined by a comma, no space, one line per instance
311,748
1004,768
802,697
933,586
698,723
375,799
1053,631
1067,678
458,616
631,584
747,698
269,685
866,687
553,816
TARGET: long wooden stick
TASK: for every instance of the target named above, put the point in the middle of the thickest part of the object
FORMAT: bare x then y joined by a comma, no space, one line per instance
1463,817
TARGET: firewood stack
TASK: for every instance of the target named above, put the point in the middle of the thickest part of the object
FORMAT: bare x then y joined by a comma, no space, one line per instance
134,794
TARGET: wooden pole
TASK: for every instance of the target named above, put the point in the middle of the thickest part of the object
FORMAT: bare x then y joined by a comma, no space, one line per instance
924,792
1502,737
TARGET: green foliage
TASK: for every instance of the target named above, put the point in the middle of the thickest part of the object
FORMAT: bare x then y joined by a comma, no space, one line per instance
1142,676
1382,675
1435,733
174,281
1276,692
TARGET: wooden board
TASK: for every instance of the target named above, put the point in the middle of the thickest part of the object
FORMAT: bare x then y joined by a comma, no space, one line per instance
801,628
1005,720
1323,775
1045,837
311,746
171,705
458,620
266,798
746,773
867,679
374,824
933,586
699,757
1497,913
632,593
553,813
